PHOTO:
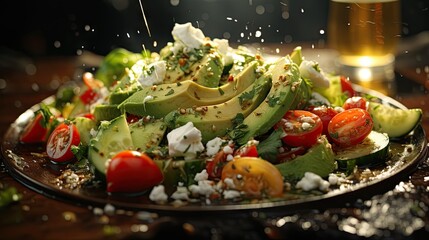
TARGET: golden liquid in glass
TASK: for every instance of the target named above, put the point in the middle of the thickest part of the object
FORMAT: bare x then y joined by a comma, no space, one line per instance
366,32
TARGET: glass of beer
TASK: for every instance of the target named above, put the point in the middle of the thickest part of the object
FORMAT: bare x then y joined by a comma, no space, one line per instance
365,34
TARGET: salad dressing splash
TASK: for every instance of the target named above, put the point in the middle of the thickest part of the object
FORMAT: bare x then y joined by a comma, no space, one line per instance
144,18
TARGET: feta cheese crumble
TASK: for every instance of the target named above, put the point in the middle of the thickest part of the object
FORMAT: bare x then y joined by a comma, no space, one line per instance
187,35
213,146
312,181
204,188
225,50
185,141
203,175
149,74
181,193
231,194
335,179
158,194
311,70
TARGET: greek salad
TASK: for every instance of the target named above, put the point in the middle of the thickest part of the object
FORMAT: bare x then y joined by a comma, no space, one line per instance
201,119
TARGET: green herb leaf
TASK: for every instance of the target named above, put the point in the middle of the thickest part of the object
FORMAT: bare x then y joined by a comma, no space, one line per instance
268,148
239,129
46,114
273,100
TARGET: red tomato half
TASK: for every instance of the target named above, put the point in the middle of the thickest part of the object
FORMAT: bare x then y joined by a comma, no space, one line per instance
132,172
325,114
88,96
301,128
60,141
90,81
350,127
131,118
355,102
347,86
34,132
247,151
215,165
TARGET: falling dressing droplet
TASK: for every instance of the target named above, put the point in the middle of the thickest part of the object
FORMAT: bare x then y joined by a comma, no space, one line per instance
144,18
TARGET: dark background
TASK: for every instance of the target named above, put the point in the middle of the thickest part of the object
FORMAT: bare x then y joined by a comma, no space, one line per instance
47,28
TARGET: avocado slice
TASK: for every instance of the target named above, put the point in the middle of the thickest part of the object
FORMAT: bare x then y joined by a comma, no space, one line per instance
147,133
209,71
319,159
159,100
125,87
215,120
288,91
296,55
203,65
106,112
241,58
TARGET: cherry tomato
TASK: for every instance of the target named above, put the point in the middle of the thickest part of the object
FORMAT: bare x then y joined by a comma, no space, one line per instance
301,128
88,96
347,86
132,172
247,151
355,102
131,118
325,114
35,131
91,82
350,127
254,176
60,141
87,115
214,166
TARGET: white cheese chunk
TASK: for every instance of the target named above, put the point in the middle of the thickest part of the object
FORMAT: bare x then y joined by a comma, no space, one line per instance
158,194
312,181
187,35
204,188
181,193
203,175
225,50
149,74
310,70
213,146
185,141
231,194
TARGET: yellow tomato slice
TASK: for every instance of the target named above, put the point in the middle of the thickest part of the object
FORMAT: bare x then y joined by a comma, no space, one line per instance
255,176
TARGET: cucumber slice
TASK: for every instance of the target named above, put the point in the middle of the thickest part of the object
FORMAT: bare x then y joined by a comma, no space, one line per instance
395,122
84,126
113,136
373,151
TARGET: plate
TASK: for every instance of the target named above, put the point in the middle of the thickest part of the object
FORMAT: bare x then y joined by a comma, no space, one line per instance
27,165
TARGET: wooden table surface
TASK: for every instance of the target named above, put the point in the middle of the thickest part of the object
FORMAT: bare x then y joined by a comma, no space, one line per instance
36,216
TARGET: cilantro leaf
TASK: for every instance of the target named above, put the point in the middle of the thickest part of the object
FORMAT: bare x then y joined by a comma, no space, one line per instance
268,148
